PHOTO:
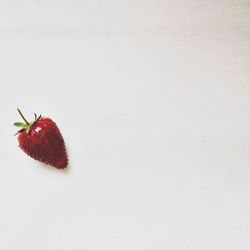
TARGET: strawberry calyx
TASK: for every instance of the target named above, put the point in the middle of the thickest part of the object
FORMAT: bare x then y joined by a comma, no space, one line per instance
27,125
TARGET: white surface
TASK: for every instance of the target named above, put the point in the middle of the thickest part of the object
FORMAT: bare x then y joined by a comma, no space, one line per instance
153,99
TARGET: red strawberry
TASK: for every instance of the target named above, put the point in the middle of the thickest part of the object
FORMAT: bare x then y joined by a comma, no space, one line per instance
42,141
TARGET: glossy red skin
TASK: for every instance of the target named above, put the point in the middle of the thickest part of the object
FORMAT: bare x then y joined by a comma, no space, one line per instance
44,143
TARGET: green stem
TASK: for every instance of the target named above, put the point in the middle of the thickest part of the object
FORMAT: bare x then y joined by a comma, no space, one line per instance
22,116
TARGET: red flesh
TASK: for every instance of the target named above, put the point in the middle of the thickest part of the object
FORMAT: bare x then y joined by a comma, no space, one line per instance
44,143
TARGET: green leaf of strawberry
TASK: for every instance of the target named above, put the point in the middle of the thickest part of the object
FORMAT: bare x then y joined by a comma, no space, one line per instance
25,126
19,124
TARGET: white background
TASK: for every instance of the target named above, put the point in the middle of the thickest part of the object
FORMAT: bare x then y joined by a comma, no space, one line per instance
152,98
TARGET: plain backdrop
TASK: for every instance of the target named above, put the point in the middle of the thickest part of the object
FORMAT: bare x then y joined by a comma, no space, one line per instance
152,98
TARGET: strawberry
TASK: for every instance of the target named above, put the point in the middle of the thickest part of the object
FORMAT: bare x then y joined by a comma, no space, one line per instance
42,140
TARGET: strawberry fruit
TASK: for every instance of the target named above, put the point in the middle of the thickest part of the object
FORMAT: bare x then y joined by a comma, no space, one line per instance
42,140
